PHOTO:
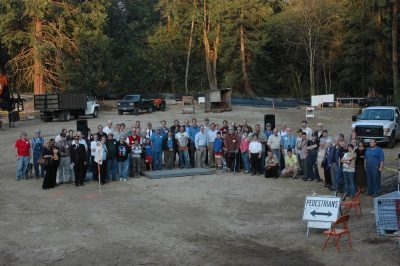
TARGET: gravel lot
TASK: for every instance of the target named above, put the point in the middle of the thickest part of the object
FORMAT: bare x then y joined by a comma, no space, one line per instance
222,219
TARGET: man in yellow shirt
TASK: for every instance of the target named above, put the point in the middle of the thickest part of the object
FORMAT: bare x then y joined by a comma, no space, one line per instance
291,165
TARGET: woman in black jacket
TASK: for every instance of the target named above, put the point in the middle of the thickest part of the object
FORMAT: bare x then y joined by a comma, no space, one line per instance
52,157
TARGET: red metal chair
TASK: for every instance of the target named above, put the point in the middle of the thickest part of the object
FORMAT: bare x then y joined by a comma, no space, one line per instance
354,203
337,233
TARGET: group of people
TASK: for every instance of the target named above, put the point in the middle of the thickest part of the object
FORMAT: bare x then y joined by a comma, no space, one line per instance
116,153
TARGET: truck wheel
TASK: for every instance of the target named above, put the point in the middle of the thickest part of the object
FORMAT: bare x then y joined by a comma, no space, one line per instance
47,118
150,109
67,116
96,112
392,141
64,116
136,111
120,112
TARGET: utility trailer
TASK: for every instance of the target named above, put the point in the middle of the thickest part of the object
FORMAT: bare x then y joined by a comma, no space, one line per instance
63,106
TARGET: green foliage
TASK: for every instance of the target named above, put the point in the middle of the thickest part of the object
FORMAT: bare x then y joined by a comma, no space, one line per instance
142,45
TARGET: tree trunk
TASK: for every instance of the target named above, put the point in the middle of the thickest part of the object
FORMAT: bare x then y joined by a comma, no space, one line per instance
210,55
169,23
247,86
395,54
324,71
311,48
207,56
329,71
215,57
38,83
188,56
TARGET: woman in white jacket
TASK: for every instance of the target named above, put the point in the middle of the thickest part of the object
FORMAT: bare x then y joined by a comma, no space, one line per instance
320,160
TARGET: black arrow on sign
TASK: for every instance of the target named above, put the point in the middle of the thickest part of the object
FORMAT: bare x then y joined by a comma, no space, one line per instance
314,212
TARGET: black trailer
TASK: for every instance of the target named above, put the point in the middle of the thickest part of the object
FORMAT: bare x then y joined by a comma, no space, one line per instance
63,106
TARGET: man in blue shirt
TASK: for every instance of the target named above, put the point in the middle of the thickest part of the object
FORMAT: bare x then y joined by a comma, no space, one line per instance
288,142
374,159
193,130
156,143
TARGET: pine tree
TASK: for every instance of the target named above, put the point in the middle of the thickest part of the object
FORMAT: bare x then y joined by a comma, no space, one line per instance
39,34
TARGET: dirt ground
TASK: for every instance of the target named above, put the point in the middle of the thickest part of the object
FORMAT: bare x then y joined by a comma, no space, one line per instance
223,219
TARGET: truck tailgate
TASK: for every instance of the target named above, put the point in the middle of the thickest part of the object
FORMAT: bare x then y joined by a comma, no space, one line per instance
46,102
50,102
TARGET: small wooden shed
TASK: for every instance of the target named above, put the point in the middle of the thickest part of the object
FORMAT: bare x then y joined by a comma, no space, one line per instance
187,105
218,100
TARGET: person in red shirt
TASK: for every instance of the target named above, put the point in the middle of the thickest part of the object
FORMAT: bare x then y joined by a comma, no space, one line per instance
134,136
23,154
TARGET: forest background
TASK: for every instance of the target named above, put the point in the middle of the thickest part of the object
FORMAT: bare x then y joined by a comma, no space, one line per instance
285,48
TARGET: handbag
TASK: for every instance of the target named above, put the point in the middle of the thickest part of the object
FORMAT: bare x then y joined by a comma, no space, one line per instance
42,161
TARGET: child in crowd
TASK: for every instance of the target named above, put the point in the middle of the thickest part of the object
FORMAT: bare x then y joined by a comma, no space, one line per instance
218,149
149,152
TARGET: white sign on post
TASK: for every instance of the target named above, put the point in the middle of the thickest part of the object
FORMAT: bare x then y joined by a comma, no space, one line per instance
321,211
310,112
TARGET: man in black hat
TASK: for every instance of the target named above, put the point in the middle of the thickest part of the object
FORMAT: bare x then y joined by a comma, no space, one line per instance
78,160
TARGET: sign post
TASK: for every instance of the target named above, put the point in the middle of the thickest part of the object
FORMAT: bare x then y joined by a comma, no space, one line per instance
320,211
310,112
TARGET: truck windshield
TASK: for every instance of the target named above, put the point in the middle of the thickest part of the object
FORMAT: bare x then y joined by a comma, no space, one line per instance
133,98
377,114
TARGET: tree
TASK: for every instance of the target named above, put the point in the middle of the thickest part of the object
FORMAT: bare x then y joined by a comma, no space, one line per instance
395,54
314,17
243,28
39,34
211,29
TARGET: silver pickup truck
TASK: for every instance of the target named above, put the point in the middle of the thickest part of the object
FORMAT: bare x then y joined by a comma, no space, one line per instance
379,122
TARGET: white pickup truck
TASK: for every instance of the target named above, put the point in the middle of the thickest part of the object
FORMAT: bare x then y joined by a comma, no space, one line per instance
379,122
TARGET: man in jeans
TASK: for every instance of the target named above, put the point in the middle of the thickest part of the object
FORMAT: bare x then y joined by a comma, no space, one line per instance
374,161
156,143
122,156
37,149
63,173
182,140
23,154
201,147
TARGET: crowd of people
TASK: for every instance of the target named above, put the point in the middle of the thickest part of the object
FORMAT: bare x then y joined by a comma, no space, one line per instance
117,153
